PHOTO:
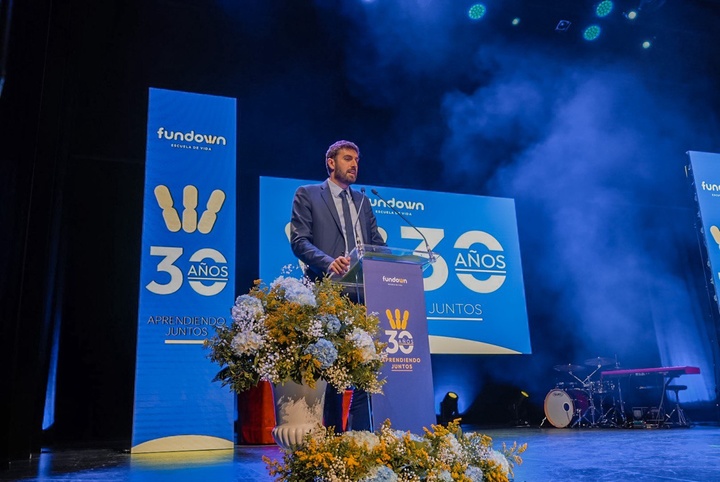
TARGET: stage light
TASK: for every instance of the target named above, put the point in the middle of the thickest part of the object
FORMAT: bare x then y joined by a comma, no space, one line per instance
516,21
477,11
591,33
516,407
646,44
604,8
449,408
631,15
563,25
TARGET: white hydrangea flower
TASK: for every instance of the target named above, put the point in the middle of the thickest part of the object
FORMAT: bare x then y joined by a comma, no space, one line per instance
364,342
247,342
367,439
295,291
499,459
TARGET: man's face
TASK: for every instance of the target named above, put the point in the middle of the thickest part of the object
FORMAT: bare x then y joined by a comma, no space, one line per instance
344,167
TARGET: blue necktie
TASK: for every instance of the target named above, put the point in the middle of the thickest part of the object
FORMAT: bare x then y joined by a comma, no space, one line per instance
349,232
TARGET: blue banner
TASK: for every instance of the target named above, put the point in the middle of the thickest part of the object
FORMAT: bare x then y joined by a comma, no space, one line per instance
474,292
395,292
706,176
186,274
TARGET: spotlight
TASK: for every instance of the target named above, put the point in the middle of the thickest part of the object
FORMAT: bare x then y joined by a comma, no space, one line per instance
631,15
449,408
591,33
646,44
604,8
477,11
516,407
562,26
516,21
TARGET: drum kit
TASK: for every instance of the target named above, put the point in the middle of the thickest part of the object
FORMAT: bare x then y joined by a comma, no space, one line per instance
584,402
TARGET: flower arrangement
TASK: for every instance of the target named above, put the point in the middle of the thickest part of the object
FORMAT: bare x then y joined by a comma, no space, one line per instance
441,454
300,331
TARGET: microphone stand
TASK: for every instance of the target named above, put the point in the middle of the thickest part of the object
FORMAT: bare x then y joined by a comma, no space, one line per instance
431,255
358,244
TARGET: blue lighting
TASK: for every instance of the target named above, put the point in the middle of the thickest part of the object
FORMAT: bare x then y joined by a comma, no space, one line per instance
477,11
604,8
591,33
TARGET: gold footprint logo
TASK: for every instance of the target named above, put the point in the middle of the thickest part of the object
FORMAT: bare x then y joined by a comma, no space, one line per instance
189,222
396,322
715,234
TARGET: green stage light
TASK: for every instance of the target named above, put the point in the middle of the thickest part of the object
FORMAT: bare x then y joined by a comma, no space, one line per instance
631,15
477,11
646,44
591,33
516,21
604,8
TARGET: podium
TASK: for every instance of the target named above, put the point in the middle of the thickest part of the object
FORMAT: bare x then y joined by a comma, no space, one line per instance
391,282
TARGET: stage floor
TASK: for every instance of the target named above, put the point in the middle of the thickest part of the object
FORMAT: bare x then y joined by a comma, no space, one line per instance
585,454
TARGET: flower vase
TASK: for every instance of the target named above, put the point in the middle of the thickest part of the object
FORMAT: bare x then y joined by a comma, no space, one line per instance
298,410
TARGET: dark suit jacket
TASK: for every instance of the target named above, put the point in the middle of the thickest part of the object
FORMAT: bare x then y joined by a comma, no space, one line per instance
316,235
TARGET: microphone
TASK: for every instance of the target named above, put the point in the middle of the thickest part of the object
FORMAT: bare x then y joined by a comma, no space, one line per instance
431,255
357,220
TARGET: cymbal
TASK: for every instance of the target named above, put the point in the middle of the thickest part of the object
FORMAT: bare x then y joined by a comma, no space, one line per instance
568,368
599,361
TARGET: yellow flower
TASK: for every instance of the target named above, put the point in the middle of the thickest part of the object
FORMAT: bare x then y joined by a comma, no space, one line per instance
351,462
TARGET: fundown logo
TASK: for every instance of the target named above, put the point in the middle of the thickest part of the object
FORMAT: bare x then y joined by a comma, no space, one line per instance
398,204
191,136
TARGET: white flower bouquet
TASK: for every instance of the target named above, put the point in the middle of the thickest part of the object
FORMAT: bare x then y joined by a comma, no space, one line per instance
296,330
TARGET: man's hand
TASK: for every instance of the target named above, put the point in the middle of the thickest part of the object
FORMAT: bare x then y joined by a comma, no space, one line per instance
340,265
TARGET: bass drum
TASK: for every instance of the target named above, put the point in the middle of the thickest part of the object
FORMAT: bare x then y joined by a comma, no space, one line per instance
562,407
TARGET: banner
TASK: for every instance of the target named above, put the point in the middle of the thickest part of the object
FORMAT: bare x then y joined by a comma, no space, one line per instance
474,292
705,168
395,292
186,274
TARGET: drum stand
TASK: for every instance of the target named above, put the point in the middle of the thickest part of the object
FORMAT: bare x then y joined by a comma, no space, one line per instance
615,417
591,411
609,418
588,415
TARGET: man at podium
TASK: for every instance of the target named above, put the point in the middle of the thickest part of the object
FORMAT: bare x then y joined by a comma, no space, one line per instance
328,221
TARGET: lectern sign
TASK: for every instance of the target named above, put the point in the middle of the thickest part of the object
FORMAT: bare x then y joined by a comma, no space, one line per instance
186,274
395,292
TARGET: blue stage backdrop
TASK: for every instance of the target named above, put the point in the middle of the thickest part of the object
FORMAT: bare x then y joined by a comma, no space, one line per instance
186,275
474,292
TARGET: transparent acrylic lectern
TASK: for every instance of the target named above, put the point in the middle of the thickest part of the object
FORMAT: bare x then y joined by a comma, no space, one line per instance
354,278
